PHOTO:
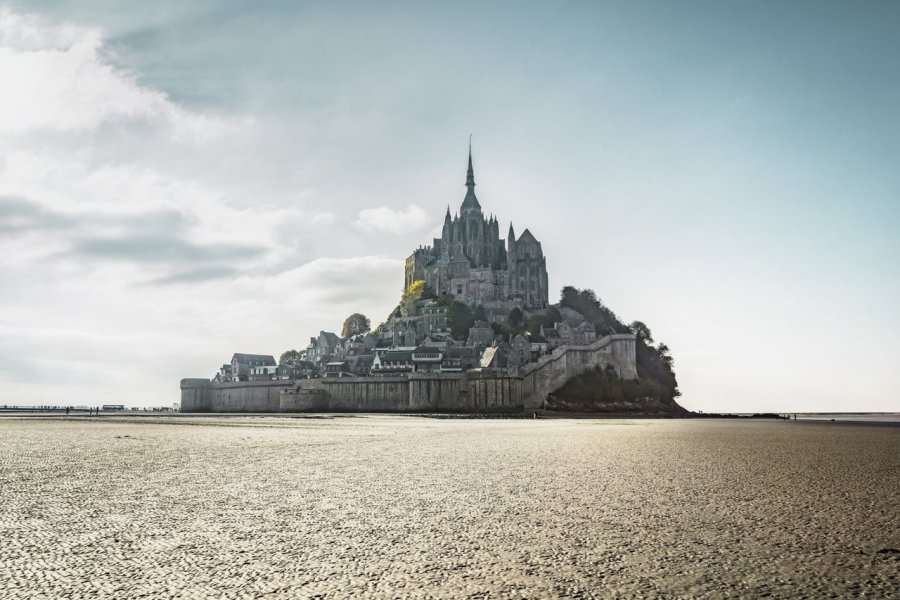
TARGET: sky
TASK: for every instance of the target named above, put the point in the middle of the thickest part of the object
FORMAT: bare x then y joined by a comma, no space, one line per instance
180,181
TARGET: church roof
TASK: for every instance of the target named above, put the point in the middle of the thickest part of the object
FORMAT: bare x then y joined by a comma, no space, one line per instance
470,202
527,237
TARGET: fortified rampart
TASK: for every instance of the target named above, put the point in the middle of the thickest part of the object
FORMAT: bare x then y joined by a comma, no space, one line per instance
473,391
552,371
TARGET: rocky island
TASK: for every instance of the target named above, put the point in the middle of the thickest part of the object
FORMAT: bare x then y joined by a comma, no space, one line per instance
473,332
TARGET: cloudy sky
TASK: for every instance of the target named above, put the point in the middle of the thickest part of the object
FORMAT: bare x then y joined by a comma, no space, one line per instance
183,180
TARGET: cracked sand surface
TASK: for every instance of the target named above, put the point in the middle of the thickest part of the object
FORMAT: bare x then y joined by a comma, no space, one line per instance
394,506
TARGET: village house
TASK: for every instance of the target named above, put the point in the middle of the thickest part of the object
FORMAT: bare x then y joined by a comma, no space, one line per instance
242,364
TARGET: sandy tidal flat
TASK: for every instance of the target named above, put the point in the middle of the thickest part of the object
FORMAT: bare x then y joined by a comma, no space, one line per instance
390,506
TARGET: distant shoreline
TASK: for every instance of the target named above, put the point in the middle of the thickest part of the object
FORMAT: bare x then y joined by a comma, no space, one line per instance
875,418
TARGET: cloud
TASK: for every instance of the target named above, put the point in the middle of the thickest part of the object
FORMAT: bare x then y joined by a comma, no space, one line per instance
321,218
56,78
389,220
161,237
162,249
19,214
353,277
197,275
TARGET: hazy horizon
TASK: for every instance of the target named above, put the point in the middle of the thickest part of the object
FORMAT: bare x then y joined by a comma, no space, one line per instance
179,182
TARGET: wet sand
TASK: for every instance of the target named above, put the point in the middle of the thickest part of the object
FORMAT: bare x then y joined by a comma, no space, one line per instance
392,506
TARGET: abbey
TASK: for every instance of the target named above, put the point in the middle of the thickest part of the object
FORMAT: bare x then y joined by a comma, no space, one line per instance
473,332
474,265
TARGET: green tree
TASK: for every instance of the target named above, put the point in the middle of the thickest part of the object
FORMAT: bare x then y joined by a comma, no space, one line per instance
459,319
642,331
515,316
665,355
479,314
568,296
355,324
411,295
549,317
289,357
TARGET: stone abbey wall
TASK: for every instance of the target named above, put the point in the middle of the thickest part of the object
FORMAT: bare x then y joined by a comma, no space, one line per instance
471,392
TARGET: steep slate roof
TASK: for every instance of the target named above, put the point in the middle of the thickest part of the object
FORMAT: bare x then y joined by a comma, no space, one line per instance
300,364
267,359
397,356
461,352
526,237
428,349
361,361
470,201
332,338
432,343
549,332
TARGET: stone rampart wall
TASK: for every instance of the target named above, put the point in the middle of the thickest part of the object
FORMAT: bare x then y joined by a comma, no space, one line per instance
474,391
552,371
245,396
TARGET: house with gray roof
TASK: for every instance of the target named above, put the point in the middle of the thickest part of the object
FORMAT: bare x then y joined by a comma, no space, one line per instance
242,363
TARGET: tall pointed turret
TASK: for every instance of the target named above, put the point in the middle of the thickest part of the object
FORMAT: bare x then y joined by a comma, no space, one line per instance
470,173
511,257
470,202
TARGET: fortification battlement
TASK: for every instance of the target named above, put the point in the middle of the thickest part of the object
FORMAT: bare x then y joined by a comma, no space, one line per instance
606,343
472,391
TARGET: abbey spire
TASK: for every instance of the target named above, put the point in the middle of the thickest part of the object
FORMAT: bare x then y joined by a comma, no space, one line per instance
470,173
470,202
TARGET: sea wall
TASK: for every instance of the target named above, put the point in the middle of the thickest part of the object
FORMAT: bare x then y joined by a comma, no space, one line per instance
473,391
417,392
201,395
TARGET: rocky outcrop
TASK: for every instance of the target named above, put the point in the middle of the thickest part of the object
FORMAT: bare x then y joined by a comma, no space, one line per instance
603,391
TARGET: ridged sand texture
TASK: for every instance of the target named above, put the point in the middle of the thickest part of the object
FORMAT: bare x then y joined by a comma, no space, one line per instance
392,506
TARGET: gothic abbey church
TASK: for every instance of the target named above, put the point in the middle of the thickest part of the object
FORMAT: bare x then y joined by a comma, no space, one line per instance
473,264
